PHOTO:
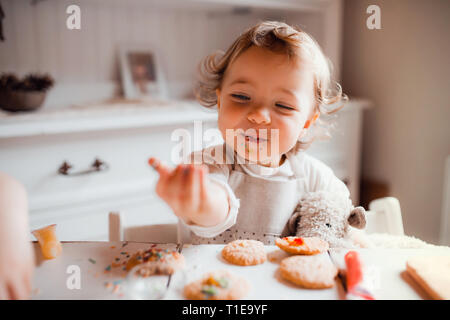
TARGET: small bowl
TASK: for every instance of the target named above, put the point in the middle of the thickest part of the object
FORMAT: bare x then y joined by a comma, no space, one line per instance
137,287
153,287
21,101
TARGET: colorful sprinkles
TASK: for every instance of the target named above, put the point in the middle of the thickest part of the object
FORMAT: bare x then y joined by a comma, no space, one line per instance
211,285
126,260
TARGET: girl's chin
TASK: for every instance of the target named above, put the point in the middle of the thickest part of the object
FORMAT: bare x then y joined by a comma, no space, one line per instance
252,156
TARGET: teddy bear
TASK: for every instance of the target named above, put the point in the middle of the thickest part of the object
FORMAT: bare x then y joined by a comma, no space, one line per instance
331,217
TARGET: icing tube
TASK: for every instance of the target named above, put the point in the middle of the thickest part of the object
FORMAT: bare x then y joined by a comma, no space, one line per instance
358,286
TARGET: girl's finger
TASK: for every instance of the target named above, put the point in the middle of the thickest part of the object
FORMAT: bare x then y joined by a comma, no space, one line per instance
27,286
194,186
12,291
17,289
186,181
160,167
3,291
176,176
165,174
174,184
202,184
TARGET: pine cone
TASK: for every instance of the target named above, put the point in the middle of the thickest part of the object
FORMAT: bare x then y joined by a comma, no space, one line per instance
8,81
35,82
31,82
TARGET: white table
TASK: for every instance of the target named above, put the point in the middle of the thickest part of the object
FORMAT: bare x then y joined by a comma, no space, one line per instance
50,279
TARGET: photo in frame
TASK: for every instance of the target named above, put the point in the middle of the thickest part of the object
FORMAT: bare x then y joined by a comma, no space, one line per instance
142,74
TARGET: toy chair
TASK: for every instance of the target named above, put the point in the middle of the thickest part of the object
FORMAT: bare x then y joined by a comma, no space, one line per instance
155,233
384,216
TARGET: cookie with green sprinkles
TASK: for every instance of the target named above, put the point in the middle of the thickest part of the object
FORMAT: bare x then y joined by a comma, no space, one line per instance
217,285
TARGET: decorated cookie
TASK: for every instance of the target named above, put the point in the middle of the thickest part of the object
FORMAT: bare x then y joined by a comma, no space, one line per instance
244,252
311,272
305,246
217,285
156,261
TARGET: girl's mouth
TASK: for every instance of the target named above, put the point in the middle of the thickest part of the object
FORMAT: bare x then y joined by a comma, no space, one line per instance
253,139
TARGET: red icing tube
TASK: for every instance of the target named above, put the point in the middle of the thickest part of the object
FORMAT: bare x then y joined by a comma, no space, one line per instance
355,277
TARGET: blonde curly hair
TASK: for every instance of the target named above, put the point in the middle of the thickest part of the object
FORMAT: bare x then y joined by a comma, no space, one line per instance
282,38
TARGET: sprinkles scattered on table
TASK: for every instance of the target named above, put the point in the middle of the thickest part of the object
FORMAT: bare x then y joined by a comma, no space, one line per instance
116,287
127,261
152,254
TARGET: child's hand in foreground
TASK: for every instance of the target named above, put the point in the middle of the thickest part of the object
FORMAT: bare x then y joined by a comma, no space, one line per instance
16,253
190,194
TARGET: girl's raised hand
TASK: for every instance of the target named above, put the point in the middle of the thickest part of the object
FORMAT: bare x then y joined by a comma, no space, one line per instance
185,190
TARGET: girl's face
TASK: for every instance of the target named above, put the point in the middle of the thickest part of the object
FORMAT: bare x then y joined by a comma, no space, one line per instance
263,90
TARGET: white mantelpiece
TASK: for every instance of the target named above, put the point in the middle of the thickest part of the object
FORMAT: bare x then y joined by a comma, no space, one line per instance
102,116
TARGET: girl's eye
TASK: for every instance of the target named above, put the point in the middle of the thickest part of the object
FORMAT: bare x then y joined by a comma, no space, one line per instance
240,97
284,107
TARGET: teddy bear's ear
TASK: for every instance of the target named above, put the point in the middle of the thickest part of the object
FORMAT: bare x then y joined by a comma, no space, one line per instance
357,218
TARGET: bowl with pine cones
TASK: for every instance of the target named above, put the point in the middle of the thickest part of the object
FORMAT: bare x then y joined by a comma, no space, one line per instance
26,94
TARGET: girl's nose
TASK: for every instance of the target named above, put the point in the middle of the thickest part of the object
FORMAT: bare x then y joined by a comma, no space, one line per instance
259,115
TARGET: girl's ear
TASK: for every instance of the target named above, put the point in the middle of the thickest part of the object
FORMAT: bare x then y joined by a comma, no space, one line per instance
218,98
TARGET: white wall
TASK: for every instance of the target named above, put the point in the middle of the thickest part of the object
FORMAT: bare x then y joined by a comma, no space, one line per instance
37,40
85,63
404,69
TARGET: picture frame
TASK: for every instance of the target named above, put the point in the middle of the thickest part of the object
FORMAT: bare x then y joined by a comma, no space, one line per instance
142,73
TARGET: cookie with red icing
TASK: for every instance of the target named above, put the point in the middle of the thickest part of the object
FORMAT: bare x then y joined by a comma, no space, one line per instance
303,246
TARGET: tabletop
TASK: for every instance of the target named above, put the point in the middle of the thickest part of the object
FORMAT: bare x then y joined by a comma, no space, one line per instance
95,270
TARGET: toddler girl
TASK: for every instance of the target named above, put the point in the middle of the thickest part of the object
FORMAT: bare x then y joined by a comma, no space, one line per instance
270,87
